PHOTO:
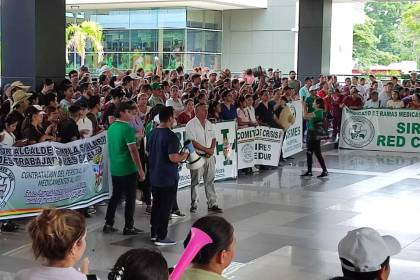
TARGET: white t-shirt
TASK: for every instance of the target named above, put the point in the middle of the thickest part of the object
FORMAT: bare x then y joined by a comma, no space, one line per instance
195,131
85,123
251,113
50,273
395,104
371,104
384,98
8,138
178,106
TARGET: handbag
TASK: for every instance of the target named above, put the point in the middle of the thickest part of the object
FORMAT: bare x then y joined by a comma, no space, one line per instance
320,131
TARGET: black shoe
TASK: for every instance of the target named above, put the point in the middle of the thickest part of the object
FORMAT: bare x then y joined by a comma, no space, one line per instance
109,229
193,209
215,209
132,231
9,226
307,174
323,174
177,214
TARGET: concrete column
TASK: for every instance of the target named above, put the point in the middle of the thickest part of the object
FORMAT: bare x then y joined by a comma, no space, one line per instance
314,38
33,40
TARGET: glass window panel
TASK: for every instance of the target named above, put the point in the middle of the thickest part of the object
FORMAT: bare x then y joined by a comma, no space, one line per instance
143,60
213,61
172,18
88,15
72,62
144,40
195,40
116,41
174,40
193,60
113,19
121,61
213,41
213,20
91,61
172,60
195,18
70,18
143,19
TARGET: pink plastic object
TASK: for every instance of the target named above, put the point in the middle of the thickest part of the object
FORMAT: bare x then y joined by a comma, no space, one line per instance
198,240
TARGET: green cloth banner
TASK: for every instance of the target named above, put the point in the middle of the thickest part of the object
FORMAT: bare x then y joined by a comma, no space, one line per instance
50,174
394,130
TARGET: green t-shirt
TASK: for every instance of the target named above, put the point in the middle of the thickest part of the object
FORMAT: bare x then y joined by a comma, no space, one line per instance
309,100
199,274
120,134
318,117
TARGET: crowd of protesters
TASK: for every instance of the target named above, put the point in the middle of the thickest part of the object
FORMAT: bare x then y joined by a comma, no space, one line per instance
81,105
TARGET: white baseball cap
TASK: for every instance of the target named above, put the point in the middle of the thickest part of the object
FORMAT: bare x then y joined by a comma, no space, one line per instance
314,87
134,76
366,249
104,68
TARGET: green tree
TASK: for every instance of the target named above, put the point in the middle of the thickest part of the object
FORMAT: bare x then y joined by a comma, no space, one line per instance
365,42
410,30
78,35
381,39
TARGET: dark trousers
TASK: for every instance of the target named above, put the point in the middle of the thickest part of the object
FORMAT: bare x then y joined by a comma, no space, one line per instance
145,185
145,189
314,147
163,200
122,186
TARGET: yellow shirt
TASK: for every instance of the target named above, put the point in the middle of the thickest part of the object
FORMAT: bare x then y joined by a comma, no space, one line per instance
199,274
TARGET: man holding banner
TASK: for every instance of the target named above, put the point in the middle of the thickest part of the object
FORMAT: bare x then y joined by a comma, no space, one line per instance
202,134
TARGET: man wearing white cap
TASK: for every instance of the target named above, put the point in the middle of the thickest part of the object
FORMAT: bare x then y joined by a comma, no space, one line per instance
365,254
105,70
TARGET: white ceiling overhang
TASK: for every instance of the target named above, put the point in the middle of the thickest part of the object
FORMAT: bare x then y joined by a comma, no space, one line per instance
200,4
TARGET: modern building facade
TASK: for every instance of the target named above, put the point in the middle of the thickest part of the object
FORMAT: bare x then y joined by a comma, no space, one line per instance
132,38
238,34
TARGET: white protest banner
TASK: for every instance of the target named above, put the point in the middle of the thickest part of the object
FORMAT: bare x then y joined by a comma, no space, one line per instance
395,130
293,141
246,147
268,142
50,174
225,154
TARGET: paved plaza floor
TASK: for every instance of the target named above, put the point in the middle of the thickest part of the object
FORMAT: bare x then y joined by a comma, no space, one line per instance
286,227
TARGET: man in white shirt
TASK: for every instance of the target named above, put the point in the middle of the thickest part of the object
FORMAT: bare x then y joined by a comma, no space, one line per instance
174,101
373,102
385,95
202,134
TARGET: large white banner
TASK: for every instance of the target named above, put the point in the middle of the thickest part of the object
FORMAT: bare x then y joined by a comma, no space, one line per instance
50,174
381,130
268,142
246,147
259,145
226,159
293,141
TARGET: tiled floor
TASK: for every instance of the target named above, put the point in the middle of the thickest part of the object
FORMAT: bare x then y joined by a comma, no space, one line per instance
287,227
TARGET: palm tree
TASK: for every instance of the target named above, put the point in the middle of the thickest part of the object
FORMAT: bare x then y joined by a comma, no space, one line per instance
77,35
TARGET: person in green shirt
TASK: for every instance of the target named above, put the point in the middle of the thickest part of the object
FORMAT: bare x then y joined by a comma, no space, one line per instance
125,168
315,122
213,258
